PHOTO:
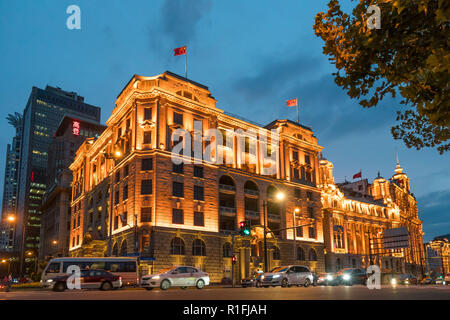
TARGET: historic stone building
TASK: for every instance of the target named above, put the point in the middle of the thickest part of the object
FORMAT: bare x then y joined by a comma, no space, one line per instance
437,253
129,196
355,215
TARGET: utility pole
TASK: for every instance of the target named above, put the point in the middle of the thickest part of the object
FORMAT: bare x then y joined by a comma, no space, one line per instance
265,236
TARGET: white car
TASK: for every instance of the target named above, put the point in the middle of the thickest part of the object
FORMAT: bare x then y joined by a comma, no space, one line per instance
286,276
181,276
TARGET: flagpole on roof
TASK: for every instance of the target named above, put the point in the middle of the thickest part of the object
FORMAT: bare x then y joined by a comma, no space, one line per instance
360,170
185,63
298,114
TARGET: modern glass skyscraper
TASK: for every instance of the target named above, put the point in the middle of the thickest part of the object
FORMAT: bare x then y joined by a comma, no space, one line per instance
44,111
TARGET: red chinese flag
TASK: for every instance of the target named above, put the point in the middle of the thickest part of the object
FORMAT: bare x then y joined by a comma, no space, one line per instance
179,51
357,175
292,102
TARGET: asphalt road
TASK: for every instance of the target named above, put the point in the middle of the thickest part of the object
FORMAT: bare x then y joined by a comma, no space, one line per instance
430,292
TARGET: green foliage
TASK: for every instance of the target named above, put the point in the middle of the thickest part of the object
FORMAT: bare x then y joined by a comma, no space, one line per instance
408,56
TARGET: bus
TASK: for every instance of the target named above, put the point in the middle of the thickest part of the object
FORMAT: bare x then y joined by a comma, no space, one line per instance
126,267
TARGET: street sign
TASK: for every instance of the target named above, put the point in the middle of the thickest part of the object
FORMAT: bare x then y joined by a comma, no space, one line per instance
396,238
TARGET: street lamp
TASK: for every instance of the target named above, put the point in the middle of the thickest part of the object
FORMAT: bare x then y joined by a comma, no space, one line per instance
11,218
279,196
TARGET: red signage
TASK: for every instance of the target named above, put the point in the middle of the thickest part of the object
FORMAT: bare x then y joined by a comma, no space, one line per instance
76,128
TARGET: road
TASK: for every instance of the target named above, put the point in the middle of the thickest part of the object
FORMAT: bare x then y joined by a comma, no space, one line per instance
219,293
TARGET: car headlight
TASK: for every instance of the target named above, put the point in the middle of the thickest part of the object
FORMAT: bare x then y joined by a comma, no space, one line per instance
50,280
276,276
155,278
394,281
262,277
329,277
346,277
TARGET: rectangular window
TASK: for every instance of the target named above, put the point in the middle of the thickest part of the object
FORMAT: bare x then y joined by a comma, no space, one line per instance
198,171
311,212
199,219
309,195
177,216
116,197
146,214
296,174
128,124
199,193
116,222
178,118
125,171
178,168
124,219
295,155
297,193
178,189
147,164
312,232
78,240
146,187
118,176
125,192
147,113
147,137
79,220
307,159
299,232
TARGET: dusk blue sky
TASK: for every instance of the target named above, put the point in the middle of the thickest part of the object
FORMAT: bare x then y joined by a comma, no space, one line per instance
253,55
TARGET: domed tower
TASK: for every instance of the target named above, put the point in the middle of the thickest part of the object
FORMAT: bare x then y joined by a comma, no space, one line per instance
400,178
379,188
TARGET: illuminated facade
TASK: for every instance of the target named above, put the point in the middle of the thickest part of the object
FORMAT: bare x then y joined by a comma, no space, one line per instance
126,185
437,254
355,215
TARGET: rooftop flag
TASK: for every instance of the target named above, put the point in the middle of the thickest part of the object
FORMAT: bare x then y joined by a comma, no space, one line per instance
292,103
180,51
357,175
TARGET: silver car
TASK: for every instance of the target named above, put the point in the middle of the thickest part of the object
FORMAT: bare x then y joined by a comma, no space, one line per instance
287,276
181,276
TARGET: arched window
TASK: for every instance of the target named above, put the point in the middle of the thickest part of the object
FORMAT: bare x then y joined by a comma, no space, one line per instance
227,252
300,254
276,253
198,248
123,248
177,246
115,250
250,185
312,255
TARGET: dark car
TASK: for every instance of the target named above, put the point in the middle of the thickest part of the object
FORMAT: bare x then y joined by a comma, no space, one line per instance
405,279
348,277
252,281
89,279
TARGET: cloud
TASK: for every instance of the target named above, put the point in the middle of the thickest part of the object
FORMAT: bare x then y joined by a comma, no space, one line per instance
323,104
434,210
178,23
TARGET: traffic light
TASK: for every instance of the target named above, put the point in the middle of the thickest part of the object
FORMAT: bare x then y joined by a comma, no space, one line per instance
244,228
233,259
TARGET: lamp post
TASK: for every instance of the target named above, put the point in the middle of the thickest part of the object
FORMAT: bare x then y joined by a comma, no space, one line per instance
294,230
31,254
279,196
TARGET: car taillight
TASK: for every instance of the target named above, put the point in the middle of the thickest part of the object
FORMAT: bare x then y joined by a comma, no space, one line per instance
120,278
